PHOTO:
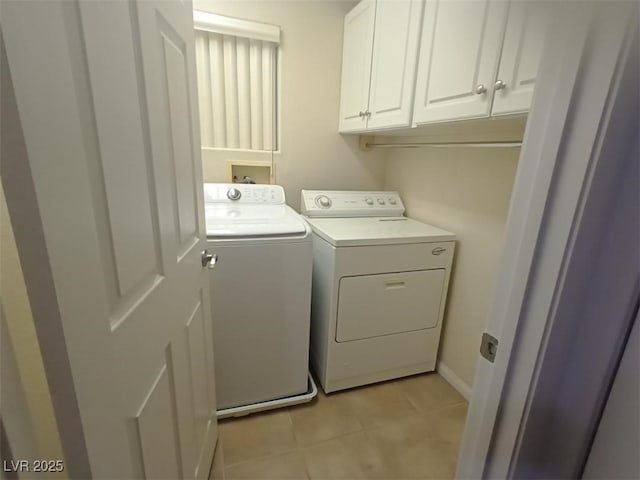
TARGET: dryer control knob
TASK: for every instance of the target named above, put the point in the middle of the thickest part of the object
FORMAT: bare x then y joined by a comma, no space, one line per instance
323,201
381,201
392,201
234,194
369,200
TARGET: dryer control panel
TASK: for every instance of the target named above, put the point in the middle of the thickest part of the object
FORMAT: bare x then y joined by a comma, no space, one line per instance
243,193
333,203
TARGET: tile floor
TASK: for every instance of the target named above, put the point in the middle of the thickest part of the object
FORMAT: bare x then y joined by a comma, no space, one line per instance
409,428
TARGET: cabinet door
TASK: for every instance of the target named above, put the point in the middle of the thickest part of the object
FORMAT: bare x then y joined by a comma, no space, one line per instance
356,66
393,69
523,42
459,55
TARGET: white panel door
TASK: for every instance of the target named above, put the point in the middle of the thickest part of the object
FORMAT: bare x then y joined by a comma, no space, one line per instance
459,54
393,69
106,97
356,66
521,51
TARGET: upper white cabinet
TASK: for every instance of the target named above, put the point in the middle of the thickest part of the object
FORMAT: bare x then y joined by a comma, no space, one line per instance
356,65
477,58
521,52
378,64
459,56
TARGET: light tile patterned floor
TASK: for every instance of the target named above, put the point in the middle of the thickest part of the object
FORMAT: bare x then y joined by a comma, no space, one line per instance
403,429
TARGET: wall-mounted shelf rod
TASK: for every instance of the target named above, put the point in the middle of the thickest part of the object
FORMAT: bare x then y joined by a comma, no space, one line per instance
445,145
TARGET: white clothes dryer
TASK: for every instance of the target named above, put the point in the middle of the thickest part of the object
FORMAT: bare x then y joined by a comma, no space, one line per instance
380,284
261,293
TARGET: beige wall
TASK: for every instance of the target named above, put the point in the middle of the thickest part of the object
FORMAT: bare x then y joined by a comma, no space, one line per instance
313,154
466,191
21,336
463,190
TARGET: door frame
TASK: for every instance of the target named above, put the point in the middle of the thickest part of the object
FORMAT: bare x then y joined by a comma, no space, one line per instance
574,153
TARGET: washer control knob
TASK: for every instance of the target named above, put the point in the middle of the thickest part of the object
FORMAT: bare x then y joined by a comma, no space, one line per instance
234,194
381,201
323,201
369,201
392,201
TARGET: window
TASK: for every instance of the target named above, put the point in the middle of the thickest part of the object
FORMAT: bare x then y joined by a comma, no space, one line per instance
237,71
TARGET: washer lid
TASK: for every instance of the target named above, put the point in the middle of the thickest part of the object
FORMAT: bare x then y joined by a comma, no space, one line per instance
238,221
345,232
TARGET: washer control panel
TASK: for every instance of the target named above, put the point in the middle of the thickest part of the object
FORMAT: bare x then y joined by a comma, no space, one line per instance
332,203
243,193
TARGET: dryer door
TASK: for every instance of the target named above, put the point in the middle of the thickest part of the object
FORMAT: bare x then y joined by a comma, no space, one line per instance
384,304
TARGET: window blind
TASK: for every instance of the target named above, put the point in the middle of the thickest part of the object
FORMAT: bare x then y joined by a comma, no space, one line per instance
236,91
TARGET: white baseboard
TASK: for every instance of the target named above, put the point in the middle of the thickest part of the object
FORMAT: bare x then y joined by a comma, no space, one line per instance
455,381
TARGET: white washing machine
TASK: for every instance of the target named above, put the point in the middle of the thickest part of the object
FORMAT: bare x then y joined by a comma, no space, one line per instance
261,293
380,285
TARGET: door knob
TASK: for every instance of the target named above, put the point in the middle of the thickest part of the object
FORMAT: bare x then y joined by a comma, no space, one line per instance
499,85
209,260
480,89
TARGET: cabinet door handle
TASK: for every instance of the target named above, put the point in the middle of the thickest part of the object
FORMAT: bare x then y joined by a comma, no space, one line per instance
367,113
480,89
499,85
